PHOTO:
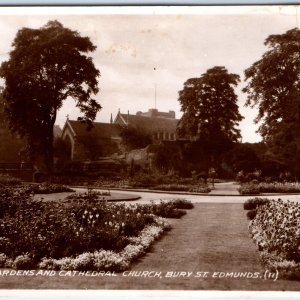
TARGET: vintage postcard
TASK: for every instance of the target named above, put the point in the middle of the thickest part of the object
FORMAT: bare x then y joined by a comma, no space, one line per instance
152,150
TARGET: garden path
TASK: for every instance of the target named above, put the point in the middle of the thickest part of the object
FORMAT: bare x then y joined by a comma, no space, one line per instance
225,188
210,238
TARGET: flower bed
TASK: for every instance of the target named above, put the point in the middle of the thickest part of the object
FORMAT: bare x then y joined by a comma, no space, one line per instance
79,233
274,187
7,180
275,230
183,187
48,188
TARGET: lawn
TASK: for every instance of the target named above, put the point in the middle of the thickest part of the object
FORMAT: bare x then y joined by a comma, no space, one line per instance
210,238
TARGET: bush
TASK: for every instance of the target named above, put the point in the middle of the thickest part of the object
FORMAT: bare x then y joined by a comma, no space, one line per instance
182,204
48,188
278,187
255,202
255,188
7,180
23,262
67,229
249,189
107,260
251,214
275,230
13,200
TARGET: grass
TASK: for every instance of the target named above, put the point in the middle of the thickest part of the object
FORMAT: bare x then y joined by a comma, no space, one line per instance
210,238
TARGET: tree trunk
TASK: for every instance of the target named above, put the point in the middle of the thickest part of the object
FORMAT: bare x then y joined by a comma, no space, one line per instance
48,154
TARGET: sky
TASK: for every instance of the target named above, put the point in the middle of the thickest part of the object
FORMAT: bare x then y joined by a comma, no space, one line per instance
147,49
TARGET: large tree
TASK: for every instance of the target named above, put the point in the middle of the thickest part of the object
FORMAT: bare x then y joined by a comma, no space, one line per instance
273,84
11,145
45,67
135,138
210,111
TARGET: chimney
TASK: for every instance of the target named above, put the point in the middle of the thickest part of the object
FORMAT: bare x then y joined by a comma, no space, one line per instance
127,117
111,119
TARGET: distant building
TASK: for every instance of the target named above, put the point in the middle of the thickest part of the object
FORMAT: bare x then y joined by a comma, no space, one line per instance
160,125
104,138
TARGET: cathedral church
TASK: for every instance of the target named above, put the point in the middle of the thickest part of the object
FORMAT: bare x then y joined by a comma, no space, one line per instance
104,139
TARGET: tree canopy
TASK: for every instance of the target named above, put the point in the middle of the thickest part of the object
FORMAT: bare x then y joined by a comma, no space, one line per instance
210,110
273,85
8,140
135,138
45,67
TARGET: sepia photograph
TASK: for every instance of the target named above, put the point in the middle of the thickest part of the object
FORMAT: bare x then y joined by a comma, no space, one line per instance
150,148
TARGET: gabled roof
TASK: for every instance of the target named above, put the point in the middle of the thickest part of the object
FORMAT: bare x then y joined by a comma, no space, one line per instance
100,130
150,124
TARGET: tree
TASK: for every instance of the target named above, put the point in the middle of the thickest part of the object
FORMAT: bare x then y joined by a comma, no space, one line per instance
273,84
134,138
10,142
45,67
210,111
168,157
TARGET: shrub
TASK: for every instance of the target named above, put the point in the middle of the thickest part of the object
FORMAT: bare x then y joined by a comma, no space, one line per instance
13,200
8,180
182,204
3,259
171,187
203,188
107,260
48,188
278,187
67,229
276,232
255,202
251,214
249,189
269,187
23,262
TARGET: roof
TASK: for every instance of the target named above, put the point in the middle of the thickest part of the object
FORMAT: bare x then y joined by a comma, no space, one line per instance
100,130
151,123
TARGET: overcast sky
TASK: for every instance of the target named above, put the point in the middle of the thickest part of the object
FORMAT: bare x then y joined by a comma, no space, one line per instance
141,49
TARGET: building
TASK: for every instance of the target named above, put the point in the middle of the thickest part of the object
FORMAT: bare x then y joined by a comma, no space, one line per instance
160,125
104,138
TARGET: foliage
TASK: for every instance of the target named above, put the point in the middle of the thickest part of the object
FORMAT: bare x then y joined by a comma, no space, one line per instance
203,102
201,188
182,204
23,262
242,157
8,140
45,67
272,187
62,152
274,86
48,188
106,260
35,229
13,199
168,158
275,230
253,203
249,189
8,180
135,138
251,214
